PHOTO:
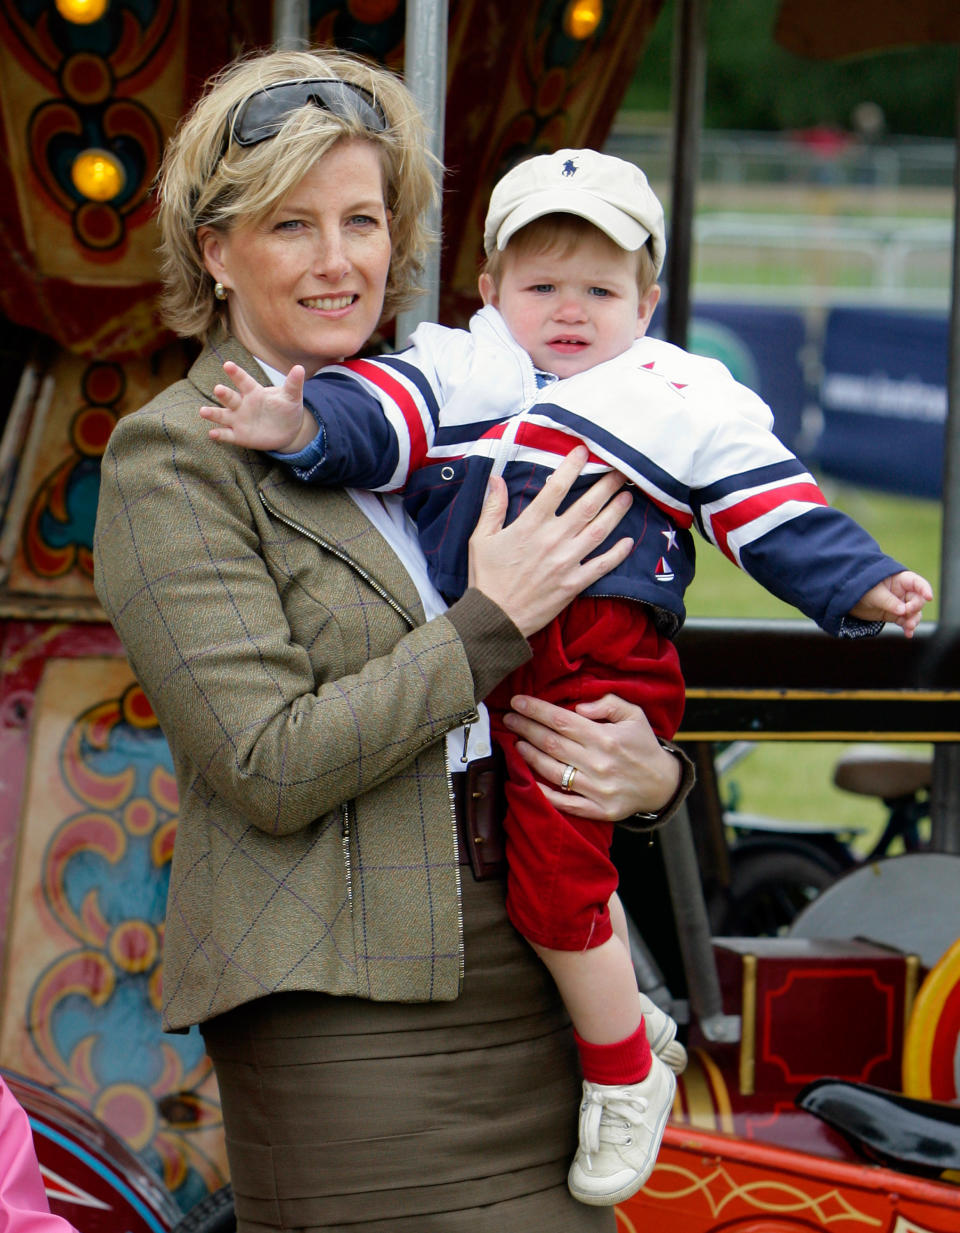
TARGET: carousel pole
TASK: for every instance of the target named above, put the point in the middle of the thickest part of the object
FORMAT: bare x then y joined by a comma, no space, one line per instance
291,24
426,76
945,791
676,840
425,65
688,80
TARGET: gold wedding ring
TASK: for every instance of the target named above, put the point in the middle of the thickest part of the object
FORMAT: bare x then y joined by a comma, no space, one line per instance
566,779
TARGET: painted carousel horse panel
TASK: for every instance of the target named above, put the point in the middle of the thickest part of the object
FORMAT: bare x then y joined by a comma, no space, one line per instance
81,992
25,647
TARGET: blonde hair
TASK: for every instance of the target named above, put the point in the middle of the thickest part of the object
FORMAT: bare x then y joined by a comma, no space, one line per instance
561,233
198,187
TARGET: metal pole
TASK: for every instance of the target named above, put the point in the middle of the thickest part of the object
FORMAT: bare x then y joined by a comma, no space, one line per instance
693,931
679,851
426,77
291,24
945,791
689,73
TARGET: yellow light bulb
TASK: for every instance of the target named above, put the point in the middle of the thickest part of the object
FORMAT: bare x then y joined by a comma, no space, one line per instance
97,174
82,12
582,17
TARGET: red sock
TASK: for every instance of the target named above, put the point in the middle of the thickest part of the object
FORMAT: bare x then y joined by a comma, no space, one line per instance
626,1061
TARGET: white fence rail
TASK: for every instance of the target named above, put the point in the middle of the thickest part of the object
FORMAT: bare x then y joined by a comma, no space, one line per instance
780,220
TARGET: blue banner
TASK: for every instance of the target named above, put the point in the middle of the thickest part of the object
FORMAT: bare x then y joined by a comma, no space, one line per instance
763,348
884,400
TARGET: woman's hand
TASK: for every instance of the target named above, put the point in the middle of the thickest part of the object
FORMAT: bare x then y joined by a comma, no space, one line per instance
621,767
534,567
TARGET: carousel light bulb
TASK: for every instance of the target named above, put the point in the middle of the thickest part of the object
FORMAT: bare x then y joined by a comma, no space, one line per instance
582,17
97,174
82,12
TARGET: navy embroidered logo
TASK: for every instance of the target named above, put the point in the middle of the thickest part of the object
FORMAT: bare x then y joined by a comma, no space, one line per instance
671,538
569,167
663,572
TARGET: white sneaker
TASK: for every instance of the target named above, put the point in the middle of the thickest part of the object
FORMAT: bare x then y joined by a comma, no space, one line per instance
661,1032
620,1133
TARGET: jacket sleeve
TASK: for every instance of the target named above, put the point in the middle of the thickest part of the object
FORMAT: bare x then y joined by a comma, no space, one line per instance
822,562
377,417
702,449
758,503
236,626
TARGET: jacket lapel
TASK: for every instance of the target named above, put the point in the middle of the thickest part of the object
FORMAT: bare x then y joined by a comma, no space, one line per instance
326,515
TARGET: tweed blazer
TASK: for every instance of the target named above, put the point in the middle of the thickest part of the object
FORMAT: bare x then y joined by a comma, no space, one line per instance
285,652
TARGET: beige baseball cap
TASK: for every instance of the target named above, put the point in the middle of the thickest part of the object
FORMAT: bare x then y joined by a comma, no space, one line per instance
609,192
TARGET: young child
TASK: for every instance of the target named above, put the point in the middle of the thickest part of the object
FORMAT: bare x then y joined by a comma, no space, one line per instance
558,357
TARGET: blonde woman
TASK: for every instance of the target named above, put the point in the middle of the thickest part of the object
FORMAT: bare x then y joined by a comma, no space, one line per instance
390,1055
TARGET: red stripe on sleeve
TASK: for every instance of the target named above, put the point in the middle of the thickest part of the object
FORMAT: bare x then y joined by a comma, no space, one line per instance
555,441
400,396
725,522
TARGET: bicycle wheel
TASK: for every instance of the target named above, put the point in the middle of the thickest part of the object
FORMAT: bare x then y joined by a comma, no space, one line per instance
768,888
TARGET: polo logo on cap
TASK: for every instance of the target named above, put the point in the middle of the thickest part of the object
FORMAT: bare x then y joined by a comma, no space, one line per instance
569,168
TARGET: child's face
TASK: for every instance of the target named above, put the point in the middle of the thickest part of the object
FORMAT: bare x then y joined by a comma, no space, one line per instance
571,310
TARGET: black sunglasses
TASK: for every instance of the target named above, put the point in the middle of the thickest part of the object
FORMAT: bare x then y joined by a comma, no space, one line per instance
261,114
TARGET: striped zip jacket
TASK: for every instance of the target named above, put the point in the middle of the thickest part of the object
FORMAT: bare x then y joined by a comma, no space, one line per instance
457,406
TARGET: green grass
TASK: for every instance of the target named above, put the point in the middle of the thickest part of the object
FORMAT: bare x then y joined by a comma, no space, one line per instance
793,780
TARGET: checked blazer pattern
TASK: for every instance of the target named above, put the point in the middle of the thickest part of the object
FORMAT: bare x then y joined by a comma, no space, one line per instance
284,650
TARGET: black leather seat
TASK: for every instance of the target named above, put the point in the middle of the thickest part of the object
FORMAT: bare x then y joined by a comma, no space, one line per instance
915,1136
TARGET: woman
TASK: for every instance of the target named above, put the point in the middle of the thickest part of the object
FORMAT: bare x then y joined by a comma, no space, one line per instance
389,1055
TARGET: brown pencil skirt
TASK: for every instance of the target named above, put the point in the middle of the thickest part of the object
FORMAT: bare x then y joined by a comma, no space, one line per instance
372,1117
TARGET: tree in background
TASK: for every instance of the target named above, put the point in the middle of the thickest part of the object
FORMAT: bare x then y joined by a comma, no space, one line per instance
752,83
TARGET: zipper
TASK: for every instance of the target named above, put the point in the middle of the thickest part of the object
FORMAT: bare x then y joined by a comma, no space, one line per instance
340,555
467,721
507,442
345,847
461,949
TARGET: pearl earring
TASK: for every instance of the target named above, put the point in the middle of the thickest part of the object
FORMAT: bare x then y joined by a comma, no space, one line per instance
220,291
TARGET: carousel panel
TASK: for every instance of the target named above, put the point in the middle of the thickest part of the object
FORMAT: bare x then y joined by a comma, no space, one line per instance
47,540
704,1183
81,991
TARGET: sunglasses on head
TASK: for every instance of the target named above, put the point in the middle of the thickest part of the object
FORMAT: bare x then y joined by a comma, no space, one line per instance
262,114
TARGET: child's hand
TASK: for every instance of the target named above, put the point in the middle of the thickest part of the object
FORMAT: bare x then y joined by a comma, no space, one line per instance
261,417
899,600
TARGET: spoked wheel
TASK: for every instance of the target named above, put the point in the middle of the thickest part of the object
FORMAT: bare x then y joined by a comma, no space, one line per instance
768,888
214,1214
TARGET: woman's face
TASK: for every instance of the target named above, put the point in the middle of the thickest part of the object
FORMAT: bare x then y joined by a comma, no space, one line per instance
305,286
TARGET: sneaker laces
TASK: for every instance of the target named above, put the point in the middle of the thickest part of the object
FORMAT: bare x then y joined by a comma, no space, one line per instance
599,1117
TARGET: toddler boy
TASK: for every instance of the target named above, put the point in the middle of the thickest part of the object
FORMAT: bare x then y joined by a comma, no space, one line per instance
558,357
